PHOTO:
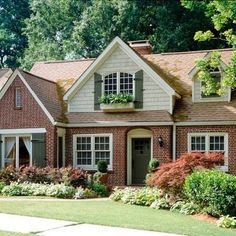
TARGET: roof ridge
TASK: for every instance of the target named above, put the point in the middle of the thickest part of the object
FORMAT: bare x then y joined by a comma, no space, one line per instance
64,61
37,76
191,52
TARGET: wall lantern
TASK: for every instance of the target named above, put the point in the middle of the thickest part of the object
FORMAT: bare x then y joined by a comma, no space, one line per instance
160,141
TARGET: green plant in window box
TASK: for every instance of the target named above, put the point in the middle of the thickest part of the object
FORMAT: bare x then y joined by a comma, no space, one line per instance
122,98
101,176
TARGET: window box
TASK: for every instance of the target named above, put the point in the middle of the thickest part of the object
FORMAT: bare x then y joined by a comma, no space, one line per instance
117,107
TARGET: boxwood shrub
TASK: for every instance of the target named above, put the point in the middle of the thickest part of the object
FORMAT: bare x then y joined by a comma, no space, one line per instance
213,190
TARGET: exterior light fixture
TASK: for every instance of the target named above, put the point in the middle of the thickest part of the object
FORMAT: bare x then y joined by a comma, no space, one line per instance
160,141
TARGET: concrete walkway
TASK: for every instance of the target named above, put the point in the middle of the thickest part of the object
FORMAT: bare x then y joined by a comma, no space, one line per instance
49,227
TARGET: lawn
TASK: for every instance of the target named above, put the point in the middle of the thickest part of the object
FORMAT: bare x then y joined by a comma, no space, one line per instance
115,214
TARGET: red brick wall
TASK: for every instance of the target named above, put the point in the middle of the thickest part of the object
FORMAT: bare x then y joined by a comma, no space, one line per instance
119,173
182,140
30,116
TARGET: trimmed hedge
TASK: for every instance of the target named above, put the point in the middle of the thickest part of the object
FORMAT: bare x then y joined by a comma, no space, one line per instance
213,190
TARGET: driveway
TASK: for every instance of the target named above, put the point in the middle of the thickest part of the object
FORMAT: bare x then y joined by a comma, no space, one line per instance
49,227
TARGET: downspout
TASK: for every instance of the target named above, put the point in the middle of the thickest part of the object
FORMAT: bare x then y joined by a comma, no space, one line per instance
174,143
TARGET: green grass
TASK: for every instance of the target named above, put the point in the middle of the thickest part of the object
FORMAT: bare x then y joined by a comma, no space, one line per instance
115,214
4,233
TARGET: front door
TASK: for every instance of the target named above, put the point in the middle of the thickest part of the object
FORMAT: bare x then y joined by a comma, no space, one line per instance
141,154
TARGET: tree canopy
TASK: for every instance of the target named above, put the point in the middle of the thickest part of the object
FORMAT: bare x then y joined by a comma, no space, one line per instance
223,16
71,29
12,41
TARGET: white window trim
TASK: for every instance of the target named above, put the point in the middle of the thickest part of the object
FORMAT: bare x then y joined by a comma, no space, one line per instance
208,135
17,148
93,166
118,81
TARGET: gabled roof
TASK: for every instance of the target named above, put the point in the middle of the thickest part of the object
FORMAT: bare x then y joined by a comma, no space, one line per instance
177,65
45,93
135,57
61,70
5,73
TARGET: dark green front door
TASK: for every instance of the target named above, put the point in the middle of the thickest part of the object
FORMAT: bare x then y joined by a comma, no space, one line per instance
141,154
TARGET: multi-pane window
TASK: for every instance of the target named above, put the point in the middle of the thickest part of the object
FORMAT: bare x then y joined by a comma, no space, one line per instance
217,143
126,83
110,83
198,143
102,149
84,151
18,98
89,149
209,142
119,82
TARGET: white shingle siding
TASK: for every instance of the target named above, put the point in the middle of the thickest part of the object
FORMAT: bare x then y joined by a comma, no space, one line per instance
154,97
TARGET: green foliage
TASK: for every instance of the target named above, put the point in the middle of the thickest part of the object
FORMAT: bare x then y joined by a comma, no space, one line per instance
70,29
12,40
223,17
100,189
214,191
227,222
33,189
68,176
116,98
141,196
116,194
102,166
186,208
2,185
153,164
82,193
161,203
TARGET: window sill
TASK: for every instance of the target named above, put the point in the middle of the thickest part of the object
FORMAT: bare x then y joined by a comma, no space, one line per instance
118,107
223,168
17,108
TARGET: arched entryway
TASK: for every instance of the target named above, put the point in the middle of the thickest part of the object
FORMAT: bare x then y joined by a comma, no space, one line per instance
139,153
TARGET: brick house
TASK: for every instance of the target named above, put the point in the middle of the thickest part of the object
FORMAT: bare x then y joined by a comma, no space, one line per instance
52,116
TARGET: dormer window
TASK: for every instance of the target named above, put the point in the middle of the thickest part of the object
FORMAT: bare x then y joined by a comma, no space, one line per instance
216,74
119,82
18,98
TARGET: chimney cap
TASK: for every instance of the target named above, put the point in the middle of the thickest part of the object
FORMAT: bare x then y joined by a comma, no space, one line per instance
140,43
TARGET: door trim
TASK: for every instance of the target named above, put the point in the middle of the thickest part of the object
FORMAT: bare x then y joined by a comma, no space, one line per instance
136,133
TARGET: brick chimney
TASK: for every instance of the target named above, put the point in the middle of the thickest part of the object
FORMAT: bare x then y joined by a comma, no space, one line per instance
141,46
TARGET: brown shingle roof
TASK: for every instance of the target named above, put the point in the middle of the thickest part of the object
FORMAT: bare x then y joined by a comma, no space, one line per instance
99,117
176,66
47,93
61,70
5,73
185,110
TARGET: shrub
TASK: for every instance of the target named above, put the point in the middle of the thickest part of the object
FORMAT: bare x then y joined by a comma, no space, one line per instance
116,194
141,196
152,165
161,203
100,189
213,190
60,191
227,222
2,185
68,176
186,208
9,174
170,176
85,193
102,166
34,189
